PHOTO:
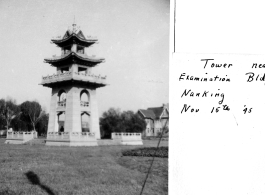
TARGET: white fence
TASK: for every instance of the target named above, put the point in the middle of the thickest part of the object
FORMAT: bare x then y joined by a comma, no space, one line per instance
70,135
71,138
35,134
58,136
20,137
128,138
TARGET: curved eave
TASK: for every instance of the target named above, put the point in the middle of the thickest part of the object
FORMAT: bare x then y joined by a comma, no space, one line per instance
72,82
74,39
74,58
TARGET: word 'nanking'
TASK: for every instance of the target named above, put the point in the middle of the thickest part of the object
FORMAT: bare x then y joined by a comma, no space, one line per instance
204,94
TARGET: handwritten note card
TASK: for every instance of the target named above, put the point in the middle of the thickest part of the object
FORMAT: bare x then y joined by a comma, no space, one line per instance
219,123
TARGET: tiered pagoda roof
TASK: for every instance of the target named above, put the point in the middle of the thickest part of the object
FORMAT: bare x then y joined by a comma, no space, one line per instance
74,37
73,57
72,44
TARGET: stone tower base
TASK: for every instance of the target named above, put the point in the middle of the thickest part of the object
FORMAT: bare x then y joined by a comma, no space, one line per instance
89,139
71,139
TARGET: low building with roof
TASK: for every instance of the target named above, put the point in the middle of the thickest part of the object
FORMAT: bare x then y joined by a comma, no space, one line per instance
156,118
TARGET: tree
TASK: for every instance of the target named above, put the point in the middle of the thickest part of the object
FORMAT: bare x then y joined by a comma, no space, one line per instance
19,125
132,122
115,121
42,125
31,113
109,122
2,123
8,111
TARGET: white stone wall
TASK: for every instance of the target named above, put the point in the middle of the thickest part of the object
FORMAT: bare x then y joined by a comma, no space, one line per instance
128,138
19,137
71,139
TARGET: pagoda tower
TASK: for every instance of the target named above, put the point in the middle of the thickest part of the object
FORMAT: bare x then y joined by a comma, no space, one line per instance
73,107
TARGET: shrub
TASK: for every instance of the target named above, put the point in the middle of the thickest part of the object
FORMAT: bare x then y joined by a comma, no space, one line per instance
161,152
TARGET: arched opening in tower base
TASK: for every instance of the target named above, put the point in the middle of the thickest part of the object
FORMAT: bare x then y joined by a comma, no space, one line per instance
85,122
61,99
84,98
61,120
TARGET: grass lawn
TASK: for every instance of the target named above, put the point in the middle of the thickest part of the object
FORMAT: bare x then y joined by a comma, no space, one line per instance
39,169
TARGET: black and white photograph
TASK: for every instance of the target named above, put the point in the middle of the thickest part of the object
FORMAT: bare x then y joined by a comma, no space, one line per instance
84,97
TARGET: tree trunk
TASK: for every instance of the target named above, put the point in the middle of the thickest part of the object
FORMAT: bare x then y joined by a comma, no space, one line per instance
33,126
7,125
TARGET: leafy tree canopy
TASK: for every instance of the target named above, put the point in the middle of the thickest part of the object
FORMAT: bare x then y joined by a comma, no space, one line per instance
42,125
114,120
31,112
8,111
24,117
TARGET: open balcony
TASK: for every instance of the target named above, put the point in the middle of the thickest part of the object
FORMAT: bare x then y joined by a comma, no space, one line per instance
97,80
61,104
84,104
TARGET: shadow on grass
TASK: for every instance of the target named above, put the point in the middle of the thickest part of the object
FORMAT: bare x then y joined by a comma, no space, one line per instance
8,192
34,179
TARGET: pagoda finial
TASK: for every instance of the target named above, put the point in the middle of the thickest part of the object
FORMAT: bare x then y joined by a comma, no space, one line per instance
74,26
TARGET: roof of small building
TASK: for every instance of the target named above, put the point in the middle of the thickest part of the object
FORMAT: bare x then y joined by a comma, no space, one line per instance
157,111
153,113
148,113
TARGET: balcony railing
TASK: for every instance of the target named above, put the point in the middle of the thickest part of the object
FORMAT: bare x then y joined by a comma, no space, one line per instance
50,78
84,104
62,104
74,75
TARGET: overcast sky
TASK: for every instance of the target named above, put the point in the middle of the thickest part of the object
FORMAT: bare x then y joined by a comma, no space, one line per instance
133,38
